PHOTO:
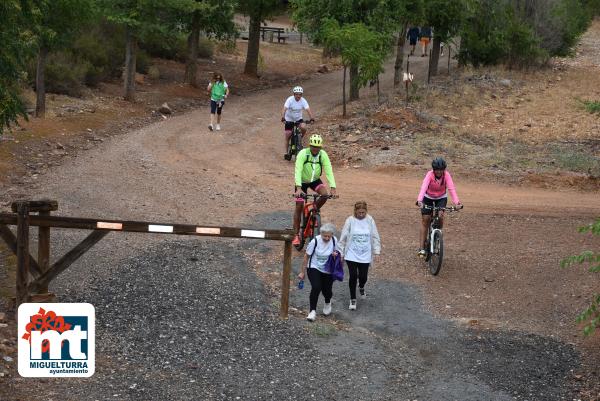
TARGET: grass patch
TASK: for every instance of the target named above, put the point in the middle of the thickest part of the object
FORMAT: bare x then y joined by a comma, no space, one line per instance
578,162
592,106
323,329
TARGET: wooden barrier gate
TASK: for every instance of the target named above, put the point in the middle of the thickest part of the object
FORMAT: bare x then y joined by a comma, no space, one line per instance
43,273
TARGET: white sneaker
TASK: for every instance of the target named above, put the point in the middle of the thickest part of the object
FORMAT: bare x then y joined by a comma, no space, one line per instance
352,304
218,127
210,127
312,316
327,309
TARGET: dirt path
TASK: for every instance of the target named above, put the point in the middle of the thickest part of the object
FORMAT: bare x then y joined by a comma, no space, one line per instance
500,272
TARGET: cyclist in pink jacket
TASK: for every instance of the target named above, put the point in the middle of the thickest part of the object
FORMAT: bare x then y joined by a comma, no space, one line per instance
434,192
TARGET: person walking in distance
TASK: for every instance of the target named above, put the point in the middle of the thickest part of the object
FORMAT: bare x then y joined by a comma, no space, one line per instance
218,90
413,35
425,36
361,245
313,264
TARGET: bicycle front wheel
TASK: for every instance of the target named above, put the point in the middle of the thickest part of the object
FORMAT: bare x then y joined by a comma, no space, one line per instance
315,222
435,259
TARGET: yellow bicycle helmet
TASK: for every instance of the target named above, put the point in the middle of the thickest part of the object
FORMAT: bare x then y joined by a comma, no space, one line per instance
316,140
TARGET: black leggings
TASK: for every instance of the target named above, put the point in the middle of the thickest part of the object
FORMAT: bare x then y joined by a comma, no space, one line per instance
319,282
363,270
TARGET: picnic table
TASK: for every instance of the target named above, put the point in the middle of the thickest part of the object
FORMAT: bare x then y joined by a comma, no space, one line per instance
270,32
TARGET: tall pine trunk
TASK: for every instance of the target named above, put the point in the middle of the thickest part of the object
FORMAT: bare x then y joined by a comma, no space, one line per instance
130,58
251,67
344,93
191,66
40,83
435,55
354,84
399,56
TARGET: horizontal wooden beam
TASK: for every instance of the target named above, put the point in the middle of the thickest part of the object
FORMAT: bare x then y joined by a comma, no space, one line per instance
149,227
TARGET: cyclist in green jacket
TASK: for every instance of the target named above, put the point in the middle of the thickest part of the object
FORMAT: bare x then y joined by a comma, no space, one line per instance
310,163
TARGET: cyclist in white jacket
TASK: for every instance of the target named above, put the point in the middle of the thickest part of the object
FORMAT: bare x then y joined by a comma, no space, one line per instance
360,244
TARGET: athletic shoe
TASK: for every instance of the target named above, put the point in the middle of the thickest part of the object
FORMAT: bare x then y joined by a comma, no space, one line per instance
296,240
311,316
327,309
210,127
287,156
352,304
362,293
218,127
422,253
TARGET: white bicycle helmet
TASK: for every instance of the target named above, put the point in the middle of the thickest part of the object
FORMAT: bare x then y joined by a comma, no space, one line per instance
298,89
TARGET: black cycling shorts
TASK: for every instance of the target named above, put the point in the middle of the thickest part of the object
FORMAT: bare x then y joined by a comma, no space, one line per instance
315,185
432,202
289,125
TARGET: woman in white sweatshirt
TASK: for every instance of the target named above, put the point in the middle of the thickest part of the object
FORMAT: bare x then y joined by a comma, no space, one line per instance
360,244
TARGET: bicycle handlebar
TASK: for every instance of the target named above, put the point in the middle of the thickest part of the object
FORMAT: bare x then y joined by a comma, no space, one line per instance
448,209
314,196
296,123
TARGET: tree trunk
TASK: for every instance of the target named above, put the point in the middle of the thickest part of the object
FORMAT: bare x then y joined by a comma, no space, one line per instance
435,55
354,87
399,56
191,66
251,67
344,93
378,92
40,83
130,53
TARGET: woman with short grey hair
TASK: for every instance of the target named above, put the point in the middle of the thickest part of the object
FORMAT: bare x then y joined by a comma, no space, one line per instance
317,253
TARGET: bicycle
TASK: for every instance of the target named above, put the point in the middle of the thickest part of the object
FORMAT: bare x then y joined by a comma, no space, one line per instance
295,141
311,218
434,245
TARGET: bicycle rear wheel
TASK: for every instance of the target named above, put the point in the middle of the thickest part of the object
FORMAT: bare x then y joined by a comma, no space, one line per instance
435,259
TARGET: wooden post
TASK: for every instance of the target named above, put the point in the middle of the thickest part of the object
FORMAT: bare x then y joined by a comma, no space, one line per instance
22,253
285,279
429,67
44,249
407,72
300,37
449,49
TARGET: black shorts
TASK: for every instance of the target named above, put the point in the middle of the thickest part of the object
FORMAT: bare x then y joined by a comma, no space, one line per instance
315,185
289,125
216,106
432,202
413,42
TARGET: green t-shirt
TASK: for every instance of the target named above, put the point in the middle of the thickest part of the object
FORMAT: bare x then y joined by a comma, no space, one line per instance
218,90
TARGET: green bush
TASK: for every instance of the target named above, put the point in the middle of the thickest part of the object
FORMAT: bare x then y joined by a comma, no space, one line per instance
206,48
66,75
103,46
168,46
495,33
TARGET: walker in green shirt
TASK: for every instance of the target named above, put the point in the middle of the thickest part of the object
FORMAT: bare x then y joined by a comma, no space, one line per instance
218,91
